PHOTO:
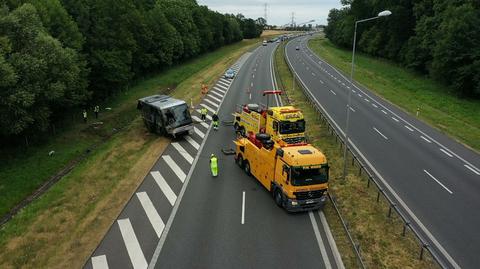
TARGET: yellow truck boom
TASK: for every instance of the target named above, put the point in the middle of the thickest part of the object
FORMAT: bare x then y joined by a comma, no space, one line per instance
296,175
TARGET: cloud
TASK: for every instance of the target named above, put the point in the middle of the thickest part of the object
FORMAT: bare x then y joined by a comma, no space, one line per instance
279,12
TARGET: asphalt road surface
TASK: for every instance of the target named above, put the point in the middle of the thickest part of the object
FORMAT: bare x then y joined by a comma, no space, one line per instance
181,217
434,179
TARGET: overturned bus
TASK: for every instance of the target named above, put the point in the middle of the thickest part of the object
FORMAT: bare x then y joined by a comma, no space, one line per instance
163,114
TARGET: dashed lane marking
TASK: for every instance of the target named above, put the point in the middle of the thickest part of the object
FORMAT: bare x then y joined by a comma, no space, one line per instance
446,153
424,138
376,130
131,243
183,152
152,214
374,105
471,169
192,141
333,92
395,119
176,169
366,100
384,112
438,181
164,187
408,127
99,262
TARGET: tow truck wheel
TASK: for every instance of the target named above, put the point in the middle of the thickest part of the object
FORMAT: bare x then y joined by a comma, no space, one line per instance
246,167
240,161
278,197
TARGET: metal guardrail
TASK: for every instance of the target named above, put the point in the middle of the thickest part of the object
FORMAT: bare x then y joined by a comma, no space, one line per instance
407,223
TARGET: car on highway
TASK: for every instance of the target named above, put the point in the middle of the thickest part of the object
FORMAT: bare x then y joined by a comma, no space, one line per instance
230,74
264,43
297,48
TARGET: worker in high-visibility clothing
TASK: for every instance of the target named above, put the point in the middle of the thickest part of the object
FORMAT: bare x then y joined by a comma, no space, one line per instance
215,121
214,165
203,112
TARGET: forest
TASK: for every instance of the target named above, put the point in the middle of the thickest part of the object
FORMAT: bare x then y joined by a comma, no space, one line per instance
438,38
59,56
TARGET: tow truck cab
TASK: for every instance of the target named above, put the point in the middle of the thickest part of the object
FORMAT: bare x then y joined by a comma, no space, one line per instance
297,176
163,114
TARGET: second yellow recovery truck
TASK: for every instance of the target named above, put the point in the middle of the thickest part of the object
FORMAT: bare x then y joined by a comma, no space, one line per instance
296,175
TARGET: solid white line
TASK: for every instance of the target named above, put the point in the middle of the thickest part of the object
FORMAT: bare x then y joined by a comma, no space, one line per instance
217,94
183,152
192,141
384,112
323,251
395,119
208,108
333,92
211,102
164,187
436,180
131,243
176,169
214,98
198,132
331,241
471,169
99,262
408,127
152,214
197,119
367,100
374,105
380,133
423,137
243,207
446,152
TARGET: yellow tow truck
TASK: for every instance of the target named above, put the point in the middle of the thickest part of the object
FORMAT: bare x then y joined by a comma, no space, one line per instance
285,124
296,175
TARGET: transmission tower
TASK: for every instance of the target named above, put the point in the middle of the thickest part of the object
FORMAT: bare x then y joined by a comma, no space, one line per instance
293,20
265,13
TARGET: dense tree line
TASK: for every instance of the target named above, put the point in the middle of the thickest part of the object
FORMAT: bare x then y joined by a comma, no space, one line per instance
436,37
58,55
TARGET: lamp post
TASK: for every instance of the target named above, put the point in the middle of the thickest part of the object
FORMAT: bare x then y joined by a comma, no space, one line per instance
384,13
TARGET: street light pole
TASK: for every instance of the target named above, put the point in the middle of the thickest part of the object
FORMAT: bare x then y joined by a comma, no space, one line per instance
345,150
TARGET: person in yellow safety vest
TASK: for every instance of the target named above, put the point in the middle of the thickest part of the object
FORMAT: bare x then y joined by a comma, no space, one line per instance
214,165
203,112
84,115
215,121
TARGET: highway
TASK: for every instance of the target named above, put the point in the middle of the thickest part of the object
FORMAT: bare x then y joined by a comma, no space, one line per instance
226,222
434,179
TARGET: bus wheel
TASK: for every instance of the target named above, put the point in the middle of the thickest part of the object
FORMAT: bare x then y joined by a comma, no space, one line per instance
246,167
240,161
278,197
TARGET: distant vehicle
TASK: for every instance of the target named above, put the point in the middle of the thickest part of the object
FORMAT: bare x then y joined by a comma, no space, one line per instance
278,40
297,48
165,115
264,43
230,74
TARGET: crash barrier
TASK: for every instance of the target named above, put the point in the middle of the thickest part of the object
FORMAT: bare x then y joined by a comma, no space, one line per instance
393,206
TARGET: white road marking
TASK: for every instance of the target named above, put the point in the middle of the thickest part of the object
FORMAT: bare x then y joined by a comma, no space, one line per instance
436,180
471,169
176,169
313,74
192,142
323,251
359,95
321,81
446,152
374,105
343,83
424,138
243,207
366,100
333,92
221,83
152,214
384,112
198,132
352,89
215,98
408,127
197,119
386,138
163,185
251,84
131,243
183,152
331,241
208,108
351,108
211,102
220,88
253,75
228,82
99,262
217,94
395,119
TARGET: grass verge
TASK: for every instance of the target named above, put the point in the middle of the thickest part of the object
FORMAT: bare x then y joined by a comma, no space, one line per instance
381,242
24,170
62,228
458,118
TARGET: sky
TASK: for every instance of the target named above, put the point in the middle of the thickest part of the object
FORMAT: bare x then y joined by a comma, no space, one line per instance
279,12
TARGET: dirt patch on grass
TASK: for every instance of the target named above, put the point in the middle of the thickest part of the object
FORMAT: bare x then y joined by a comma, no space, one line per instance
268,33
